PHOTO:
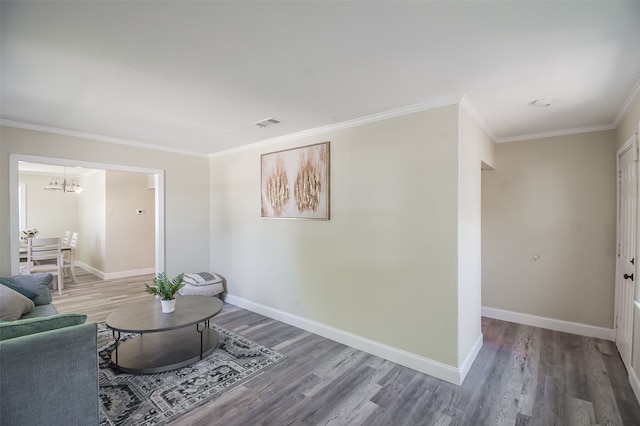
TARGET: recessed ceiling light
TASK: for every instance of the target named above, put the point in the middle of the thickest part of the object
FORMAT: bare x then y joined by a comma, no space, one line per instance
542,103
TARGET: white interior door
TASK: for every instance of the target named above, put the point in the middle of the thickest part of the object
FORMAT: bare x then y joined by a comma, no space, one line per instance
626,260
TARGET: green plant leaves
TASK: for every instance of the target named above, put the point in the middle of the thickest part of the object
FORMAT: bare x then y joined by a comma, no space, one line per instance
164,287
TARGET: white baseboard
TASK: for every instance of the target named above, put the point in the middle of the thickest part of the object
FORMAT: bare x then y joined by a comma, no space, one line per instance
407,359
115,275
471,356
131,273
550,323
635,383
98,273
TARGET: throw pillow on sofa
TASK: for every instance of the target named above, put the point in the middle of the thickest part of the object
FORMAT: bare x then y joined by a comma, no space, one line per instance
23,291
13,304
10,330
36,283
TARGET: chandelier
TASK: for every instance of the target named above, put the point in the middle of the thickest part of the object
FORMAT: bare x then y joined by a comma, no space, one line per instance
63,184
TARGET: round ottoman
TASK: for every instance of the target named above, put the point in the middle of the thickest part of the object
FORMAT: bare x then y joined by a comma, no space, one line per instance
201,284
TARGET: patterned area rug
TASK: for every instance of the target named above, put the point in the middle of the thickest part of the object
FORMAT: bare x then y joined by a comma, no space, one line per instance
153,399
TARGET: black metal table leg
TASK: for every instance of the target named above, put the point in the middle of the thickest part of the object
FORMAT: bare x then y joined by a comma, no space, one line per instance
205,325
116,336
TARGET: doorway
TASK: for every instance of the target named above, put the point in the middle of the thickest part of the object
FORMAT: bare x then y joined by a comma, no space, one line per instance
15,193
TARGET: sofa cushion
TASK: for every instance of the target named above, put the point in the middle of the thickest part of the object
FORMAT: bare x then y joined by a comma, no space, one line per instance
10,330
13,304
37,283
23,291
41,311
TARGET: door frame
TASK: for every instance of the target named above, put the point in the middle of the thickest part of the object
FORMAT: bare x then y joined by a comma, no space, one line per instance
630,144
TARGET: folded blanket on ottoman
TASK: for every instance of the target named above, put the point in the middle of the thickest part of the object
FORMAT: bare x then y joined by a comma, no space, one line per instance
201,284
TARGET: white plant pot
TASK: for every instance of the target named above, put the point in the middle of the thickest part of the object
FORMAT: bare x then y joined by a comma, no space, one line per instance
168,306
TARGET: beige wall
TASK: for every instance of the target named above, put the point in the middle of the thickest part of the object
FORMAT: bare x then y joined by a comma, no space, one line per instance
130,237
51,212
186,190
555,198
385,266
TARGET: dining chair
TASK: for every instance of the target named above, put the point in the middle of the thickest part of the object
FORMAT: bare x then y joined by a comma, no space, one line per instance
68,262
66,238
45,249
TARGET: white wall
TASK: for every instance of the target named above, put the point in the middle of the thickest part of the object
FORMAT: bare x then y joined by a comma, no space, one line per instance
475,149
554,198
186,181
92,233
51,212
384,268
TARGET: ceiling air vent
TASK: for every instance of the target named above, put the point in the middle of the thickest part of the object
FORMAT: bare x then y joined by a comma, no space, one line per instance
267,122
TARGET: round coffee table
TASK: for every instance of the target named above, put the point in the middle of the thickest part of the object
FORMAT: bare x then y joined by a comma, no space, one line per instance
166,341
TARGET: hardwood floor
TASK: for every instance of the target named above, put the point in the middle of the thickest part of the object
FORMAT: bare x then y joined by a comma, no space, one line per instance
97,298
523,376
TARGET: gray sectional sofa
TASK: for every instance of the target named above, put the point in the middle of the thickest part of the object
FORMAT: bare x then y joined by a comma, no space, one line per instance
48,363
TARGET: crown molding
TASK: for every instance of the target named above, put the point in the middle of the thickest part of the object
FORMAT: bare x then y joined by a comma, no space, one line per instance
462,100
564,132
634,95
95,137
468,106
398,112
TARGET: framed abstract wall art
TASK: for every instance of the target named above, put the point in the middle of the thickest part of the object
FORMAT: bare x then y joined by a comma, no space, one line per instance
295,183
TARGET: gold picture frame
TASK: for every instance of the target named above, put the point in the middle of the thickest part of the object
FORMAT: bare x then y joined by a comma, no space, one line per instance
295,183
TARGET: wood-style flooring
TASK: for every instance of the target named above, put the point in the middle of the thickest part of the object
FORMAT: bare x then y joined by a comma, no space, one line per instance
522,376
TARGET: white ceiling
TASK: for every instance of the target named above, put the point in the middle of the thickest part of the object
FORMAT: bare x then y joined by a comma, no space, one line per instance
193,76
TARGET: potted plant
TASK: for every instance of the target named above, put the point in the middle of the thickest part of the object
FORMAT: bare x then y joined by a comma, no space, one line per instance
28,233
166,290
